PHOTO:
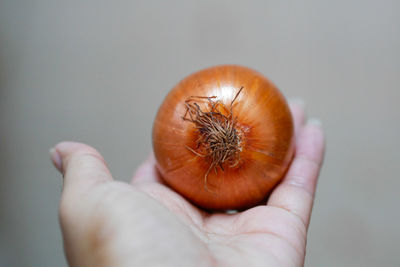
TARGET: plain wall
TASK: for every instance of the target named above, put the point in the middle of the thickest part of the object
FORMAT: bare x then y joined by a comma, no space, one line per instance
96,71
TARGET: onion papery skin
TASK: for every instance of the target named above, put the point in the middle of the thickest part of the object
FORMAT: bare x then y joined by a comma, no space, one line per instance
266,132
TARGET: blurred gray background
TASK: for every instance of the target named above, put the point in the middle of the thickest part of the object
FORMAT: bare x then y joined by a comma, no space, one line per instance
96,71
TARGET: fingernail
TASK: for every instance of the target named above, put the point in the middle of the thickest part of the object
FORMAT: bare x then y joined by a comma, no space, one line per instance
315,121
297,101
56,158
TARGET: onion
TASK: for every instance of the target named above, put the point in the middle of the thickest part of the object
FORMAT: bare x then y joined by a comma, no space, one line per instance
223,138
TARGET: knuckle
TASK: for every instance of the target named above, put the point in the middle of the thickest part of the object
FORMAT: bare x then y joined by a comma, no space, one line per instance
308,160
87,155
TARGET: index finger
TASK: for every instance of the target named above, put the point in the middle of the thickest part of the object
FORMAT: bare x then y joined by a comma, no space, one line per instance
296,191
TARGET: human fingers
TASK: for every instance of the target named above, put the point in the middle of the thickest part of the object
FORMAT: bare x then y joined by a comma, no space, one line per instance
297,108
147,171
81,165
296,192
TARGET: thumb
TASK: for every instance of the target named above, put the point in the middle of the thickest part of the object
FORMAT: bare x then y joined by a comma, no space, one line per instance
81,165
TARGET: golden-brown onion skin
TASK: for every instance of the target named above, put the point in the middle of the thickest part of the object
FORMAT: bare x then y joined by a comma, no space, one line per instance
263,117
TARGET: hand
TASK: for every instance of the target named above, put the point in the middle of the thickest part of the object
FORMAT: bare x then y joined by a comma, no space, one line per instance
145,223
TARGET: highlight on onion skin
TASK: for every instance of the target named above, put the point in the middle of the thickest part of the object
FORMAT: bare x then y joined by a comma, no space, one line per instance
223,138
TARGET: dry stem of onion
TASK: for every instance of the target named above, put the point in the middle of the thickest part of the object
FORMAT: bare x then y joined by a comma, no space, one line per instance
218,133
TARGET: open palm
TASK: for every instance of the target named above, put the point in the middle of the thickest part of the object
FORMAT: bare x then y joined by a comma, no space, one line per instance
145,223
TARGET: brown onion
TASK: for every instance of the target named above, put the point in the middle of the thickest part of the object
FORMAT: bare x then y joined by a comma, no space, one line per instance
223,137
